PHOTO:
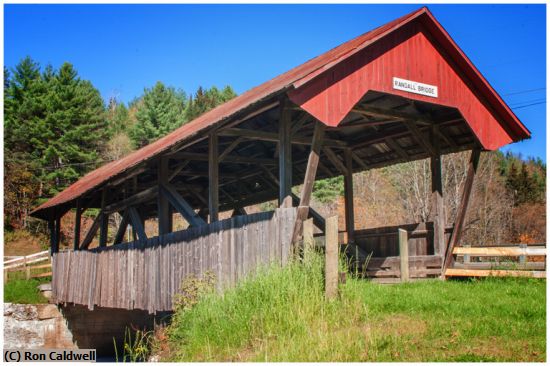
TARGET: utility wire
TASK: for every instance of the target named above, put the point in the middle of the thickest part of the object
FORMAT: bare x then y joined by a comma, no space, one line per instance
528,101
528,105
523,91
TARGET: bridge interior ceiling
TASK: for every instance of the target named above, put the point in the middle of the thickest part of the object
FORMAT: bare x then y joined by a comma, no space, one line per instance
381,130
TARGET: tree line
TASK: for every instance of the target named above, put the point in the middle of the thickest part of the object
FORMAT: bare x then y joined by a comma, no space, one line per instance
57,128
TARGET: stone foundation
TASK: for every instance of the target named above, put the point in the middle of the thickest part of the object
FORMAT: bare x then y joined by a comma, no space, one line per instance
35,326
73,326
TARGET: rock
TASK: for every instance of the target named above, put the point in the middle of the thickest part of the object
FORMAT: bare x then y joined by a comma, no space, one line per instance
20,311
47,311
45,287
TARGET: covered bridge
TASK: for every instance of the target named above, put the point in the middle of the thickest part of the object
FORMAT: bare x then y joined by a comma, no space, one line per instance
401,92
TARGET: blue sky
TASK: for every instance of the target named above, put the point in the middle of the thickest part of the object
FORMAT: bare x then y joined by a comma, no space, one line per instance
122,49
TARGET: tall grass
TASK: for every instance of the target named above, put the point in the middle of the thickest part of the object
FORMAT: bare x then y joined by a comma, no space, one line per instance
282,315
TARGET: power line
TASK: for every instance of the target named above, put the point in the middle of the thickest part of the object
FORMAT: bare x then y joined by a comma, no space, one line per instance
528,105
523,91
528,101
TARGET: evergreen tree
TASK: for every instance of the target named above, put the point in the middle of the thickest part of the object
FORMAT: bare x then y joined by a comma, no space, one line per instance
54,123
160,111
118,117
205,100
75,128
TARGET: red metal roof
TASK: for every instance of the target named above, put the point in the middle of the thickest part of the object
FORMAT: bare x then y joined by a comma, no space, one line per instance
293,79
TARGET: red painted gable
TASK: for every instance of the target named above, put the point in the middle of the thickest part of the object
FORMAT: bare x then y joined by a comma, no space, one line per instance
409,52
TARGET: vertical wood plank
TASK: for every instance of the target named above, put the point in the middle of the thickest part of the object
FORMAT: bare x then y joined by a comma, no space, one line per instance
348,197
403,254
77,223
104,221
213,181
285,155
331,257
438,209
164,210
308,238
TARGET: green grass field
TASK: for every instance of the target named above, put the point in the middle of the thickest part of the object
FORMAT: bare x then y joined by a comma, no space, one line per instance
281,315
21,291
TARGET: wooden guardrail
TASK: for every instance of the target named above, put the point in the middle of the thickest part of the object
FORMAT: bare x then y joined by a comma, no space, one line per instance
146,275
24,263
483,267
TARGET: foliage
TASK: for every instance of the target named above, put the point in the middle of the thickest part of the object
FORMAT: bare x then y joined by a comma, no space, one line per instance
206,99
57,128
326,190
21,291
54,128
136,349
192,290
282,315
526,186
160,111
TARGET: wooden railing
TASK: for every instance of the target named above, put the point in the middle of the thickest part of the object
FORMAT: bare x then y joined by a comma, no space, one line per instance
24,263
148,275
377,252
516,261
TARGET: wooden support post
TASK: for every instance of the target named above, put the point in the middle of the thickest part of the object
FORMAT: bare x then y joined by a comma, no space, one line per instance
309,241
164,210
77,223
348,196
55,233
404,254
309,179
239,211
523,257
213,181
331,258
466,257
27,270
51,226
438,208
104,224
461,212
285,156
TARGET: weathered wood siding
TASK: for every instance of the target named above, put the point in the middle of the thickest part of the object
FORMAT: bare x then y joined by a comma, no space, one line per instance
382,242
147,275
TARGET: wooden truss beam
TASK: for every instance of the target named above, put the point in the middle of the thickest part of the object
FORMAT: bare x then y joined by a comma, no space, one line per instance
309,179
119,236
77,224
163,207
137,224
226,158
285,156
461,213
91,232
181,205
104,222
230,148
274,137
213,179
335,160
